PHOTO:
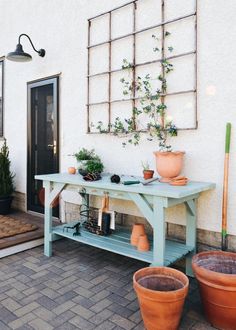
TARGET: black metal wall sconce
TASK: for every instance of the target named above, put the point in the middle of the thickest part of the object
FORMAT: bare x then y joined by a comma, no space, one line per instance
19,55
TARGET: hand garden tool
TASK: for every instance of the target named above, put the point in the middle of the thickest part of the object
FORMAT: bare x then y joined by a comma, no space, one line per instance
106,218
225,188
127,183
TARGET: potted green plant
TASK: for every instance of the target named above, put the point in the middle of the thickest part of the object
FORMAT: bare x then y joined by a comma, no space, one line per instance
147,173
152,106
89,163
94,166
6,180
83,156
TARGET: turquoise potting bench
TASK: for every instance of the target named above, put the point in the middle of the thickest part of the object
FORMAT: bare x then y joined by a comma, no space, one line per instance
151,200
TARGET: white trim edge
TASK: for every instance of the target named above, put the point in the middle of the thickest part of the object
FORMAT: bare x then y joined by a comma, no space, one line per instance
20,247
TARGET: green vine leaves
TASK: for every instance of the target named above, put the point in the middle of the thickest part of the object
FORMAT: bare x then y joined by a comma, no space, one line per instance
151,105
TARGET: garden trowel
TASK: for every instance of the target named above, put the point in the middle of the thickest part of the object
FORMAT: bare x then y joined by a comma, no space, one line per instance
127,183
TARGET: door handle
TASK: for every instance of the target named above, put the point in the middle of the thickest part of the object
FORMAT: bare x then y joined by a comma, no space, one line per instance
54,146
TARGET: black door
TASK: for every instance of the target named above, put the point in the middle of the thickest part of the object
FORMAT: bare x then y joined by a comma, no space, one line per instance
43,146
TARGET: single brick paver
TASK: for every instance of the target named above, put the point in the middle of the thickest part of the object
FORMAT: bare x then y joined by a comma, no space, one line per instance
79,287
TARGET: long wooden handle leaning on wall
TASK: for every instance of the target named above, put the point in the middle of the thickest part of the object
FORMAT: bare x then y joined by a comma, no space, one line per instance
225,188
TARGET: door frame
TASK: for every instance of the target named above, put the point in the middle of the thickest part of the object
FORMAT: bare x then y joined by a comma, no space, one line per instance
32,84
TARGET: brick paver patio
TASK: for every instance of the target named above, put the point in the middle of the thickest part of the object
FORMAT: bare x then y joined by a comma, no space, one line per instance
80,287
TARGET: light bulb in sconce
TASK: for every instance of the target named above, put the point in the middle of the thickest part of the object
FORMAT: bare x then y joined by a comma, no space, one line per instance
211,90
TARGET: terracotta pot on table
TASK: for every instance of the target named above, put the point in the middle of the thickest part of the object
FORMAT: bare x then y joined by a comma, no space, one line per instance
161,293
169,164
148,174
216,275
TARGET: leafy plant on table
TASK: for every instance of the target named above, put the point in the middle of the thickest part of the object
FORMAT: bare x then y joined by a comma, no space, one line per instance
152,105
85,154
94,166
89,161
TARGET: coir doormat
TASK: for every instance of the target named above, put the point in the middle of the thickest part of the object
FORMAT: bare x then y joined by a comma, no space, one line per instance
11,227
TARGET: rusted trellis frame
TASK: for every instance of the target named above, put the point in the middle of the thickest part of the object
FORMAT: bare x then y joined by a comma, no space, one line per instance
134,64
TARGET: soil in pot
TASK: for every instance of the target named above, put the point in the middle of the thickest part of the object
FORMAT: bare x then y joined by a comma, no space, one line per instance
161,293
216,275
169,164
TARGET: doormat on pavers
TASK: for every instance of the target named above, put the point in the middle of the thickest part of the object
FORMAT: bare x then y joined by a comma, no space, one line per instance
11,227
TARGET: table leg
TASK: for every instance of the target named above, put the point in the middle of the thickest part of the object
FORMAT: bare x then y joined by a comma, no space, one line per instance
158,232
191,233
47,220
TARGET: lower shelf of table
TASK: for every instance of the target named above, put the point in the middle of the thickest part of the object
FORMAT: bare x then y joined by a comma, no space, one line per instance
119,242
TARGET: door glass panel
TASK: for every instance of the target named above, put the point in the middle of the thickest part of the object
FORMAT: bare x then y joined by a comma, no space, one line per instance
43,157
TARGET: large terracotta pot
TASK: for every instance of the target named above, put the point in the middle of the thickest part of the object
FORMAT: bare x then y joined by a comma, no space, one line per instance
216,275
161,293
169,164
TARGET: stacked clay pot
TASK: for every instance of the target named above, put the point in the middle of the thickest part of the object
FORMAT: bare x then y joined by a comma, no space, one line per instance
138,230
143,243
139,237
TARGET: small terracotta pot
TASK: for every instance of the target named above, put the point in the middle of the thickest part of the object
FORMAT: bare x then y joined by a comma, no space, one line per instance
148,174
169,164
138,230
143,243
161,293
216,275
71,170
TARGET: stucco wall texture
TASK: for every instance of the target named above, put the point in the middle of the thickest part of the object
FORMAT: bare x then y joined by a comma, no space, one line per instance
60,26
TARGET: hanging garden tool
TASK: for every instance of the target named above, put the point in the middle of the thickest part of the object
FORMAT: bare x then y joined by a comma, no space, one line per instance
106,218
225,188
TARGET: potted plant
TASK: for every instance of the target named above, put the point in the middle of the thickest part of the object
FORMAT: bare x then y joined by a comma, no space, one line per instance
147,173
90,164
6,180
153,107
83,156
94,166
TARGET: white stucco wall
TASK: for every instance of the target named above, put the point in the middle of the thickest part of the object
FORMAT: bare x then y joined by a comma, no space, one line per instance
60,26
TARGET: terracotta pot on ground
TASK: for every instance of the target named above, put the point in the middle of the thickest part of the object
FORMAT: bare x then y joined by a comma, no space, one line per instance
169,164
148,174
138,229
216,275
161,293
143,243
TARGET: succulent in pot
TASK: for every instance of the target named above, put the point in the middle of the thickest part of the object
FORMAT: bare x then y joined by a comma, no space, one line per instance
151,109
147,173
6,180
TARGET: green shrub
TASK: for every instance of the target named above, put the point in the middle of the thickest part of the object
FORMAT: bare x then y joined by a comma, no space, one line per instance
6,176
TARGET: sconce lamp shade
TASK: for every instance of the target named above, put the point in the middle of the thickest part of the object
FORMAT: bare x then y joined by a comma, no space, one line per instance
20,56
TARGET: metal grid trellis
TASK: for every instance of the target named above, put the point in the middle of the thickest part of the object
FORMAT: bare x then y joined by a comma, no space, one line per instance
135,65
